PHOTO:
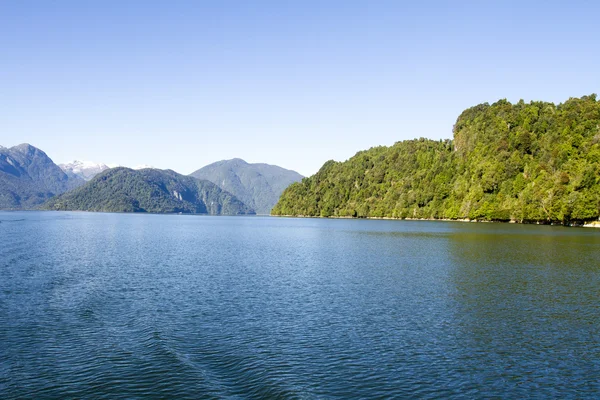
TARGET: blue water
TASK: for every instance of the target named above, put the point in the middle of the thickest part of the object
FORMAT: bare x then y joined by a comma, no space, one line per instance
131,306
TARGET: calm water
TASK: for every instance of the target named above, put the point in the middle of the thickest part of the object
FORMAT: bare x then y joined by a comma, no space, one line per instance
127,306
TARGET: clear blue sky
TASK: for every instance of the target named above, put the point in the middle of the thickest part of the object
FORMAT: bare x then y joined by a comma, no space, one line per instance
180,84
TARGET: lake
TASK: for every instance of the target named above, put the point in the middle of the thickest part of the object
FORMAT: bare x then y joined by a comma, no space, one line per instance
133,305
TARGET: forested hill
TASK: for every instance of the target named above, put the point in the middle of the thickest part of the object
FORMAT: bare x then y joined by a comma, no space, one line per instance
148,190
528,162
257,185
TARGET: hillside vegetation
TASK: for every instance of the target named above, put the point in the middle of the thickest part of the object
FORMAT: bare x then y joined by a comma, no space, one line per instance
527,162
148,190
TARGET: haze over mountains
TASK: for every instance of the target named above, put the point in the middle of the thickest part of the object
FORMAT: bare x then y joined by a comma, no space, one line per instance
257,185
28,178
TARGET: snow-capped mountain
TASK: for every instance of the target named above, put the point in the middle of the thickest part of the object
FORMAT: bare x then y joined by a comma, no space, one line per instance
84,169
142,166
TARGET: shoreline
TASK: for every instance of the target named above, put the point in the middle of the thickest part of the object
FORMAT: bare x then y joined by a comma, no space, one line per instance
588,224
137,213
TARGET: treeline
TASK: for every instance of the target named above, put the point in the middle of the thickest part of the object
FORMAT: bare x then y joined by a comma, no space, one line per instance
528,162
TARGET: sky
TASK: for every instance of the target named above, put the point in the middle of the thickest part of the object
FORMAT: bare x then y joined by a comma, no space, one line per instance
181,84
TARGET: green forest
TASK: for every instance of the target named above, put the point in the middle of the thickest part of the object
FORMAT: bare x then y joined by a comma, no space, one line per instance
148,190
524,162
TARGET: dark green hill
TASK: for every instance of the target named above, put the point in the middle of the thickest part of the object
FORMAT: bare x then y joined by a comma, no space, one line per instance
257,185
28,177
535,162
149,190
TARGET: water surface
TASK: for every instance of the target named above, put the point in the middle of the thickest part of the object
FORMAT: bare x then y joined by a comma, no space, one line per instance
130,306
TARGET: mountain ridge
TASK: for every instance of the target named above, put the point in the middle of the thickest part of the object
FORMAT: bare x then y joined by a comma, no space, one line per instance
124,189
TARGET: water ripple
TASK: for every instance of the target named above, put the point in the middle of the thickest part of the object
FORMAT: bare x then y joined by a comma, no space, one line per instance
134,306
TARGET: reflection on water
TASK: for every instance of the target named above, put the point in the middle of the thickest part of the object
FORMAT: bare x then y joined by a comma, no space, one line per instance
527,308
121,306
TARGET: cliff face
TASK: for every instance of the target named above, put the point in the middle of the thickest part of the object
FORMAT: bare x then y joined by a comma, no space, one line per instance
525,162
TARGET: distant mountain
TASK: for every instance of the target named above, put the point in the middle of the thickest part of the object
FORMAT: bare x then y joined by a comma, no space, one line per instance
28,177
257,185
83,169
89,169
149,190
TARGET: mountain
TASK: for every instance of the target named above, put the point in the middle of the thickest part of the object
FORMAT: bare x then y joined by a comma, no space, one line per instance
257,185
28,177
148,190
83,169
535,162
88,169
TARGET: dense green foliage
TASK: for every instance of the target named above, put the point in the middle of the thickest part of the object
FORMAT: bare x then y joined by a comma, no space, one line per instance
28,177
257,185
148,190
535,162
